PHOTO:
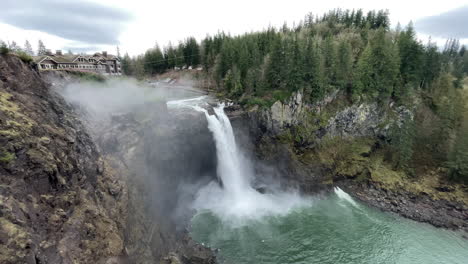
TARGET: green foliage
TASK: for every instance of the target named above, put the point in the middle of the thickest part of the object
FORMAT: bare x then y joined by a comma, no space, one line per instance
458,156
345,157
232,82
378,67
402,139
25,57
4,48
458,163
6,157
252,101
280,95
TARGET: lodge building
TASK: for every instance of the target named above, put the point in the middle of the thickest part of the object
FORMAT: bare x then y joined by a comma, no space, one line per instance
102,63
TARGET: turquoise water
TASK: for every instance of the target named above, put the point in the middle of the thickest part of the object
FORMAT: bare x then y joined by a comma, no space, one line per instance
330,230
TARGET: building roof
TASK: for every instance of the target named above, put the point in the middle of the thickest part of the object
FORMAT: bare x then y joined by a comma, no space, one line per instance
67,58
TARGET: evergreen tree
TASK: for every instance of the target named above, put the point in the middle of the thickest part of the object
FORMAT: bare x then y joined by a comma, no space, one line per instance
232,82
294,73
28,48
431,65
329,61
458,158
14,47
378,67
402,142
41,49
126,65
411,55
313,72
276,71
345,65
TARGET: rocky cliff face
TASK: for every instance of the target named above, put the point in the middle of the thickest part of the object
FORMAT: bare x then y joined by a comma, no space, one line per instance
336,142
286,130
59,200
333,116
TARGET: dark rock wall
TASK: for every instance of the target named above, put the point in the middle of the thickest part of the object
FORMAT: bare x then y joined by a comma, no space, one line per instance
59,202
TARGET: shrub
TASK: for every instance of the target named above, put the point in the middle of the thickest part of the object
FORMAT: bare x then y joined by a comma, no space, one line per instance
281,95
251,101
24,57
4,48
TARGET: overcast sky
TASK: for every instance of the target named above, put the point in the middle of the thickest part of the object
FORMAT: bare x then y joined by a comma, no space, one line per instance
134,26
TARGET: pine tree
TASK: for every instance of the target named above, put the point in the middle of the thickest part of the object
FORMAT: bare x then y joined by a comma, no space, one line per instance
378,67
329,61
431,65
28,48
458,158
345,65
411,62
402,141
13,46
126,65
41,49
276,70
313,71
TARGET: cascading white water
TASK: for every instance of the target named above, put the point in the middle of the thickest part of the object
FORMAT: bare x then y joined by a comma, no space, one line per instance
236,199
232,170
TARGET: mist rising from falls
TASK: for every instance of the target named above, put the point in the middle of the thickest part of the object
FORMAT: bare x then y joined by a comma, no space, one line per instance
236,200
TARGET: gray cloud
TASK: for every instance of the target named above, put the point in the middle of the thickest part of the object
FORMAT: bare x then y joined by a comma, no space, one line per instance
75,20
451,24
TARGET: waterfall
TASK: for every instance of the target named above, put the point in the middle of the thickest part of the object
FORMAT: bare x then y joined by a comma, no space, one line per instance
232,169
236,200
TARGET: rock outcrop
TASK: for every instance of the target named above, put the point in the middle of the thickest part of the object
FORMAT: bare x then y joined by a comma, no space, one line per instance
334,142
59,200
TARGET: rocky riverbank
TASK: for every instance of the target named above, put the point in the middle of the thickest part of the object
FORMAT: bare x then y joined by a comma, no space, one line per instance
419,207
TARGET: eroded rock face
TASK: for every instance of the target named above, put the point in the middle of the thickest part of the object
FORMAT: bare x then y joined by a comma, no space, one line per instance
280,115
59,200
357,120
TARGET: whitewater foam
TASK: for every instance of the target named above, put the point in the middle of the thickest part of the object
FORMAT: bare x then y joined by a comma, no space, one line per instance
344,196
